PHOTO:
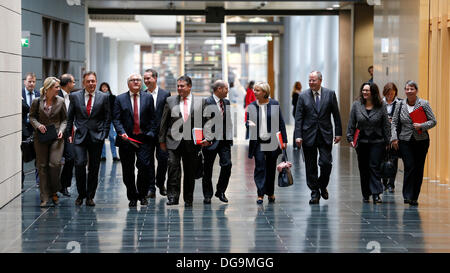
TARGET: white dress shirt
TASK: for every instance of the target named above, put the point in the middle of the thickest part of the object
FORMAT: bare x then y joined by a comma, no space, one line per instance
263,133
66,99
27,96
86,98
189,102
155,95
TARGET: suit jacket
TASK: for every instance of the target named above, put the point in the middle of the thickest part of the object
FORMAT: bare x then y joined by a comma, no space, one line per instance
57,115
173,129
309,120
375,125
123,116
27,128
210,112
160,102
253,145
96,125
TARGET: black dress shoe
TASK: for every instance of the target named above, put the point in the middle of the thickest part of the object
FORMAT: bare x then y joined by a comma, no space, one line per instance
391,189
221,197
144,202
90,202
314,201
271,199
366,200
79,201
163,190
376,199
413,203
103,159
324,193
187,204
65,192
207,200
132,204
171,202
406,201
151,194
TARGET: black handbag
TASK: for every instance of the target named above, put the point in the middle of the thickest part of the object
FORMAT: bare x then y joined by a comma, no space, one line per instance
27,147
387,167
49,135
285,176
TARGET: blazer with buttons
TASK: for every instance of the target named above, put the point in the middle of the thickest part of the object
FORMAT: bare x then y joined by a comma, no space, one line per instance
57,115
374,124
407,128
209,128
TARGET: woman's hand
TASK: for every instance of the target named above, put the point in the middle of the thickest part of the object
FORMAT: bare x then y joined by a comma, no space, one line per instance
251,123
60,135
394,144
417,126
42,128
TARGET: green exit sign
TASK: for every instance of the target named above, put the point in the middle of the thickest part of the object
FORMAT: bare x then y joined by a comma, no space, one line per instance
25,42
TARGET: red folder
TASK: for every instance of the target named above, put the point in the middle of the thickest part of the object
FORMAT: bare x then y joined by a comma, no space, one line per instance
418,116
280,140
355,138
197,134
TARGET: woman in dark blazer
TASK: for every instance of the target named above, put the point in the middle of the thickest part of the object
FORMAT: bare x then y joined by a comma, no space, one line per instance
49,109
368,114
104,87
412,140
263,141
390,93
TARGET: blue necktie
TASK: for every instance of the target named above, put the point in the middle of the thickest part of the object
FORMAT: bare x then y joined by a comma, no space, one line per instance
317,100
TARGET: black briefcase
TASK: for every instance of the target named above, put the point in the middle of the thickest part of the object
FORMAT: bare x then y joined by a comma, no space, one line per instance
285,176
27,147
49,135
387,167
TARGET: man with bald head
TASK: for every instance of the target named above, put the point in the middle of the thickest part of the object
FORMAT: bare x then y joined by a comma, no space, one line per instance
134,119
314,132
218,131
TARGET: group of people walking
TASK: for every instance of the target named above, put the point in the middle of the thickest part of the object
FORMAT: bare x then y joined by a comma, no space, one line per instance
190,130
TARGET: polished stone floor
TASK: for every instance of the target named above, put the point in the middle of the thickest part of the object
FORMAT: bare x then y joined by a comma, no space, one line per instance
290,225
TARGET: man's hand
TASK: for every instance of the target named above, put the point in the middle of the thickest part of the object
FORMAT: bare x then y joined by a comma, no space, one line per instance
299,142
337,139
205,143
124,136
70,139
394,144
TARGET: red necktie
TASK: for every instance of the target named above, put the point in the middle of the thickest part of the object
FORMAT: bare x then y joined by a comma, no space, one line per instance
221,106
89,105
136,129
185,109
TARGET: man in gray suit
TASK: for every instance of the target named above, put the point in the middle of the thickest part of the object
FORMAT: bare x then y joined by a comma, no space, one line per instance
181,114
90,112
314,131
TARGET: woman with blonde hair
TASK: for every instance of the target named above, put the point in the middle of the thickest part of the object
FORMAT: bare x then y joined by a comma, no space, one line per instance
48,116
265,119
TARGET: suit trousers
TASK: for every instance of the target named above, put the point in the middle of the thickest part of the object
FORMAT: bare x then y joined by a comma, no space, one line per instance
370,155
187,153
161,171
313,181
87,188
264,174
413,153
137,187
224,151
48,162
69,162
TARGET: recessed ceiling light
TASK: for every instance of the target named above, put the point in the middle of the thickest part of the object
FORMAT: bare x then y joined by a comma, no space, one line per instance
336,6
329,8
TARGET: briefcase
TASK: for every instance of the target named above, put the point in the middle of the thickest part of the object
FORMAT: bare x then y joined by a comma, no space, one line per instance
387,167
49,135
27,147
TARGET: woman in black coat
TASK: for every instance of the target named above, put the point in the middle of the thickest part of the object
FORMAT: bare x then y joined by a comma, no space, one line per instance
104,87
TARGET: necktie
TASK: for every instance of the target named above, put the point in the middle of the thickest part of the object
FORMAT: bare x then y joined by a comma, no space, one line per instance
317,100
136,129
185,111
89,105
221,106
31,97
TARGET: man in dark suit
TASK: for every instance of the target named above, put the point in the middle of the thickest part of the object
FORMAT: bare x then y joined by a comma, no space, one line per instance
159,99
181,114
218,131
89,112
67,83
29,93
314,131
134,117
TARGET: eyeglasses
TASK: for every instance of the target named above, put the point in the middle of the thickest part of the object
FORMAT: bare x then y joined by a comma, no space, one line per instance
135,80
